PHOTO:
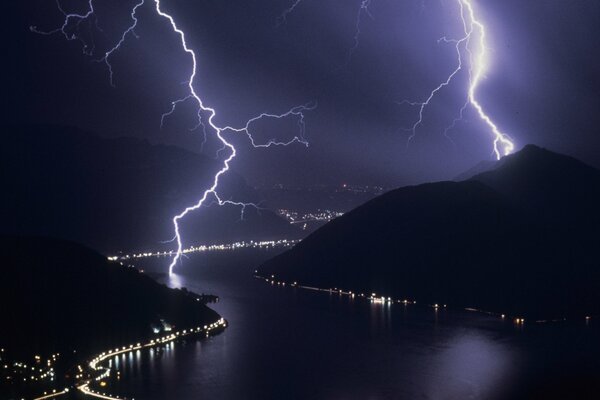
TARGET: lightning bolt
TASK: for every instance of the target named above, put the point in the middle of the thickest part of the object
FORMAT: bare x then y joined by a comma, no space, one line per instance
503,145
129,30
363,9
283,16
473,32
472,27
64,29
211,192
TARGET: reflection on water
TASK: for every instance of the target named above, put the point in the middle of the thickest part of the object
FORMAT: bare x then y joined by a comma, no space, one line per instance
286,343
472,366
175,280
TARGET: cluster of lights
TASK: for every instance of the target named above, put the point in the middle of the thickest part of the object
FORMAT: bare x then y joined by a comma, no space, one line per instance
295,217
32,373
374,298
104,372
361,189
265,244
95,363
340,188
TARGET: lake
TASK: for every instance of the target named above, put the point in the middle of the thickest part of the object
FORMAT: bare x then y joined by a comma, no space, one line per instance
289,343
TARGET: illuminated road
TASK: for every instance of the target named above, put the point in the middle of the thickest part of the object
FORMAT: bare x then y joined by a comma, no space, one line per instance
51,395
265,244
95,363
104,372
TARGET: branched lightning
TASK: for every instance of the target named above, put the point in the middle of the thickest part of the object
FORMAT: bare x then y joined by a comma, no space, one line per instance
64,29
422,105
472,27
283,16
129,30
472,43
363,9
295,112
502,143
212,190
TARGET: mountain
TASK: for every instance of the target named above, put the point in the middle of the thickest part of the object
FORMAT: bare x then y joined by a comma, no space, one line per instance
482,166
554,187
64,296
118,194
520,239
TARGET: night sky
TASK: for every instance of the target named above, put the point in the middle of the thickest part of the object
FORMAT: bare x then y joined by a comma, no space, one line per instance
542,85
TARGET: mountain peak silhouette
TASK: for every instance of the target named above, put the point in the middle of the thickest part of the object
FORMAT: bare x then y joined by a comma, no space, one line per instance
518,239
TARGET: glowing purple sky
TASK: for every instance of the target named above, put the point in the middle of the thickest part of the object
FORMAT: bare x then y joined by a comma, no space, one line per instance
541,85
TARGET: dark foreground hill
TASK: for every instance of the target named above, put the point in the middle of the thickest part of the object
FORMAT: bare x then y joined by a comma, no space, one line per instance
520,239
59,296
118,194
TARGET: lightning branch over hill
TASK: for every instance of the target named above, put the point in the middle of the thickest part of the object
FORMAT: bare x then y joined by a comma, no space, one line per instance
71,29
473,43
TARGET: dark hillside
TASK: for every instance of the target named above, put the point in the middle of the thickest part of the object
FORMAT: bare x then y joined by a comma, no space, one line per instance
521,239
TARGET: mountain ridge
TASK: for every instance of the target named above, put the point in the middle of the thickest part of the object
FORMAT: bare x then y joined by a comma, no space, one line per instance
472,243
119,194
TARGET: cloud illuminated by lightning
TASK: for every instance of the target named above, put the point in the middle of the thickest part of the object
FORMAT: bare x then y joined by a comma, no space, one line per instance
362,9
472,28
211,192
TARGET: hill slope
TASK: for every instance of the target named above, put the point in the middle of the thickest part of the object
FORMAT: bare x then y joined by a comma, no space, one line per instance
554,187
63,296
118,194
501,241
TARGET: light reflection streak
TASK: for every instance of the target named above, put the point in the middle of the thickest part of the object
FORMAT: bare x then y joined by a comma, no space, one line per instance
95,363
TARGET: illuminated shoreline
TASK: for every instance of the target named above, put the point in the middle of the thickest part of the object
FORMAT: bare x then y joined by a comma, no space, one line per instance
373,298
94,364
264,244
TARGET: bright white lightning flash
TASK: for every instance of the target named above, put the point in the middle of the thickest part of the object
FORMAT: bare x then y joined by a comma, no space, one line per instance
472,27
212,190
297,112
502,143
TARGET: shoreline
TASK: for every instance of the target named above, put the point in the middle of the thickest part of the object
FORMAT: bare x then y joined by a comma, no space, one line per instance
385,300
95,364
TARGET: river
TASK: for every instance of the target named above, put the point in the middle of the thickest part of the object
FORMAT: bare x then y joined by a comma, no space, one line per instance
289,343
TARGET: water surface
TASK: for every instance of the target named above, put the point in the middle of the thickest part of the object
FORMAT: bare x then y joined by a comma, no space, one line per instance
289,343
